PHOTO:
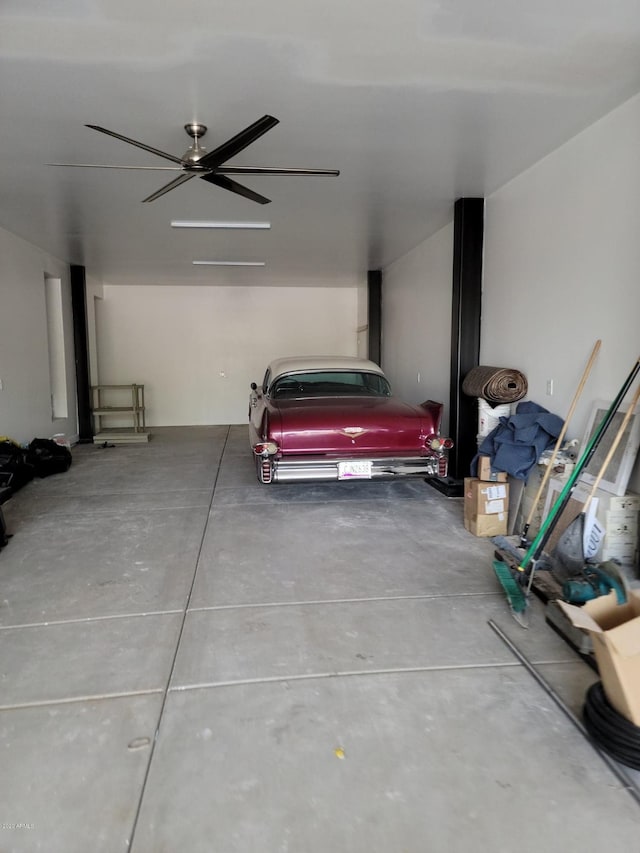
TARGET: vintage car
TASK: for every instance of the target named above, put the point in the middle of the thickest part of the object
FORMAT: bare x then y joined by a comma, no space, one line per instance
335,418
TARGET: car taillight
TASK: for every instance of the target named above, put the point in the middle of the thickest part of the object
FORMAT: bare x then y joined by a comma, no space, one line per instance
266,471
440,443
268,447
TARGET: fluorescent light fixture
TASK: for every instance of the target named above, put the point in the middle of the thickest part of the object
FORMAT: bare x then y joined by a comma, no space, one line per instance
182,223
229,263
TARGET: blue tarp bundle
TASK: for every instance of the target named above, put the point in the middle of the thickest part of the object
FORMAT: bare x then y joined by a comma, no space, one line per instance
516,444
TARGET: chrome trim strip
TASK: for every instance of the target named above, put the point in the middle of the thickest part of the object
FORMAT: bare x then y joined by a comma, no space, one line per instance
288,470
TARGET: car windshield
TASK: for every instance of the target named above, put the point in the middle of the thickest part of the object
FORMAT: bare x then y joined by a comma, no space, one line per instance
330,383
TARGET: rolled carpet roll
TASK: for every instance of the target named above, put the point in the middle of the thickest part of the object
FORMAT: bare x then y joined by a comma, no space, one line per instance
495,384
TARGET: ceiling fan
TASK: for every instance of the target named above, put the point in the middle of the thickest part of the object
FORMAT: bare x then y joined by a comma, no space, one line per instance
197,162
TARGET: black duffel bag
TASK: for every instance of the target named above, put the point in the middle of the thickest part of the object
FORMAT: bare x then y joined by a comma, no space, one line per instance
48,457
15,464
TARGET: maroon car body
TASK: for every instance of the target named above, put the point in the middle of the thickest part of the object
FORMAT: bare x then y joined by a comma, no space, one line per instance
334,418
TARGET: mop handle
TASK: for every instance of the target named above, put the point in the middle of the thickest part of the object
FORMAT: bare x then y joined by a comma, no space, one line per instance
614,445
549,467
545,531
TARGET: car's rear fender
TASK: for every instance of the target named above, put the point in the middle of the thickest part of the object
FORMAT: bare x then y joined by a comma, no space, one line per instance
270,428
433,420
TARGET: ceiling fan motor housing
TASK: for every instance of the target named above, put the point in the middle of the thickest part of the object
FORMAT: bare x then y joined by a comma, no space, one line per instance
195,151
195,130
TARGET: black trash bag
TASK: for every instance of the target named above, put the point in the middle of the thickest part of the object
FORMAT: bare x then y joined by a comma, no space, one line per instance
48,457
16,465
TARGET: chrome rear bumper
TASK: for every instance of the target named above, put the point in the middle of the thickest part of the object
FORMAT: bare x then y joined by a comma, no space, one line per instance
300,469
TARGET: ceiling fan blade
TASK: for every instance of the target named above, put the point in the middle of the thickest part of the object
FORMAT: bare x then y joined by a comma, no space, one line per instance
268,170
104,166
134,142
181,179
235,187
238,142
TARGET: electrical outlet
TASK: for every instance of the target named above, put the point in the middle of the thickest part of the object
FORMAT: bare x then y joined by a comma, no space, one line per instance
549,387
418,377
0,384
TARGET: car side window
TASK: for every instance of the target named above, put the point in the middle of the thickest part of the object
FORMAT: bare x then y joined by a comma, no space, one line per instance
265,381
286,386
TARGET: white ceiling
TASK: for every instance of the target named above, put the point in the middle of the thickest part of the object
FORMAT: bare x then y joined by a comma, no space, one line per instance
416,102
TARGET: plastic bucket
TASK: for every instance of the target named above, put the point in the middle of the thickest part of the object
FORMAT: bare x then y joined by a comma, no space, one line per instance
489,416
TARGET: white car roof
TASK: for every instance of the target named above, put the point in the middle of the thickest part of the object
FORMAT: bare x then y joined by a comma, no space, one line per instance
293,364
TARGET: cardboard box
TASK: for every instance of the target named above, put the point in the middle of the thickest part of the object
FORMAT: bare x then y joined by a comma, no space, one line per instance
615,633
487,525
625,554
622,523
482,498
485,473
485,507
621,537
628,502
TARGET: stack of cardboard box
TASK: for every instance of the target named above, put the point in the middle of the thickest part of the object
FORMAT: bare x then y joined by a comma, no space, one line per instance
621,530
486,501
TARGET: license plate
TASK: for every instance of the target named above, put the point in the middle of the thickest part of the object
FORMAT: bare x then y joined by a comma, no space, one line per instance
358,470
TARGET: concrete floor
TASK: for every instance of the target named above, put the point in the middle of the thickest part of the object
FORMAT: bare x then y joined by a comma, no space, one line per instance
194,662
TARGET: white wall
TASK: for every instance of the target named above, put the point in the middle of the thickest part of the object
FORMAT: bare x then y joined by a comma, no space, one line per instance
562,267
25,397
416,321
197,348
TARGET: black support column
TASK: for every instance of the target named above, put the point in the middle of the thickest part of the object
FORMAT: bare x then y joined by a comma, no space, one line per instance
468,241
374,319
79,308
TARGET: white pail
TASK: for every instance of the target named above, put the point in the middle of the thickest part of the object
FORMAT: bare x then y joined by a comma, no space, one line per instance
489,416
